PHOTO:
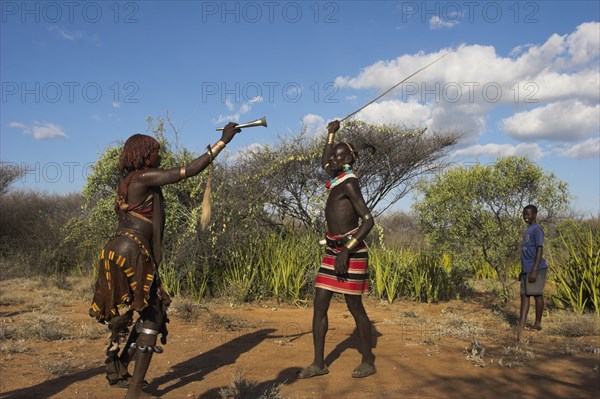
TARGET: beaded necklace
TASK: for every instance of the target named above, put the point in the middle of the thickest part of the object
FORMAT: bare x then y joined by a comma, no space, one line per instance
346,174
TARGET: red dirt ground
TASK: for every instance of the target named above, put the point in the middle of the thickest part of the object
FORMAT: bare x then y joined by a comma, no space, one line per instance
419,348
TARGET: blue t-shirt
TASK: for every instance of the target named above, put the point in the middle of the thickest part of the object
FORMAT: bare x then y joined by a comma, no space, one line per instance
532,239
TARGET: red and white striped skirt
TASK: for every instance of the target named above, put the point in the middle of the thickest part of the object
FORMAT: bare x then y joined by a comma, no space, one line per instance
355,281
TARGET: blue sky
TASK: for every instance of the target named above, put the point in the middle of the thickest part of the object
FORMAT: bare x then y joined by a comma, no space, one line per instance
520,78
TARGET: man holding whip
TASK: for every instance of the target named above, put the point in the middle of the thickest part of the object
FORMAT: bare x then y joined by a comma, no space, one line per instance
344,268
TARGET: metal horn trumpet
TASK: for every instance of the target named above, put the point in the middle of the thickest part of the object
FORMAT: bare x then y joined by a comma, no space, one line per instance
259,122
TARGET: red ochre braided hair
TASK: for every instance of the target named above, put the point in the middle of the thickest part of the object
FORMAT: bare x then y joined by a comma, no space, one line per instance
136,151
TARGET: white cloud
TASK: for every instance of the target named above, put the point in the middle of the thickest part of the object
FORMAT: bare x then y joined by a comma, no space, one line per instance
314,124
47,131
560,121
67,35
588,149
312,119
552,86
40,131
584,45
255,100
436,23
19,125
463,118
229,104
463,88
73,35
467,119
475,71
244,109
411,113
532,151
520,49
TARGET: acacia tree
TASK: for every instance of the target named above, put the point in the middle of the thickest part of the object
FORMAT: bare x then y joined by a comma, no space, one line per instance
270,186
9,173
285,179
476,211
392,158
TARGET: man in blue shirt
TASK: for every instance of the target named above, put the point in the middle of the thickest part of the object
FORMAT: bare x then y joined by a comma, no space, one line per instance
533,268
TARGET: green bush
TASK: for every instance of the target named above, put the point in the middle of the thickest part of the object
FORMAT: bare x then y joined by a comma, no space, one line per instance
275,265
415,275
575,271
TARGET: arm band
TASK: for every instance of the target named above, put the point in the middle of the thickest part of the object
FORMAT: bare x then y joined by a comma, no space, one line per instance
330,138
367,217
216,149
353,243
182,172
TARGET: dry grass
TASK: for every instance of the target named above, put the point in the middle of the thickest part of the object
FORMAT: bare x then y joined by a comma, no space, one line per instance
514,356
34,294
475,354
41,306
44,326
7,330
62,282
225,322
249,389
282,342
592,349
410,314
12,294
57,365
6,299
89,331
567,324
405,318
13,347
423,330
48,327
186,309
458,327
82,287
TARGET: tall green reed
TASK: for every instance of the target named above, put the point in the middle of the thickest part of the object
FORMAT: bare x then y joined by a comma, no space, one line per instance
410,274
576,273
197,284
169,275
287,260
275,265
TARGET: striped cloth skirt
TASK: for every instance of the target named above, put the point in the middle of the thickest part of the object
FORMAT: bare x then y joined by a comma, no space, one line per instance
355,281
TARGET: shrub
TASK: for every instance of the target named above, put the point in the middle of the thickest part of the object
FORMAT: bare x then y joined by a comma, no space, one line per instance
576,271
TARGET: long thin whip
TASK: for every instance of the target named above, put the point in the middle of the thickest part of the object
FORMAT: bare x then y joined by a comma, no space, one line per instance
391,88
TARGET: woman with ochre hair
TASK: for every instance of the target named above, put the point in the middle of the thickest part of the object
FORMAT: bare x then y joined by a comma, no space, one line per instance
128,278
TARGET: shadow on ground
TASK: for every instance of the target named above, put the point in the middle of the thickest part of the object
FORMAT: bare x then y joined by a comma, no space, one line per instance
196,368
52,387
